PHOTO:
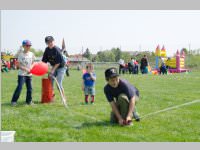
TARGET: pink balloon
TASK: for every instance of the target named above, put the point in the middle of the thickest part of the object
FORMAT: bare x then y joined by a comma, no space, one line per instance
39,68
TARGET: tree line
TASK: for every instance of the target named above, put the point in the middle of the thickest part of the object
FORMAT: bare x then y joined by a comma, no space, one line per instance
115,54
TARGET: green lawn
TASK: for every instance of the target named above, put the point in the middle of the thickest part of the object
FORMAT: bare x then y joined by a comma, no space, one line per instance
52,122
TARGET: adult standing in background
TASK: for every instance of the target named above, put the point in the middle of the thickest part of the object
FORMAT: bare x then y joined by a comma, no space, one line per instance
131,66
67,63
121,66
144,65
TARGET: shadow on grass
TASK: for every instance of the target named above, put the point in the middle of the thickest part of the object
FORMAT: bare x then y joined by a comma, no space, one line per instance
19,104
9,104
95,124
36,104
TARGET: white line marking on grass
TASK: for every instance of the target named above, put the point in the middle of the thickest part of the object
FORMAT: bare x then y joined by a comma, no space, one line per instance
153,113
87,116
170,108
83,115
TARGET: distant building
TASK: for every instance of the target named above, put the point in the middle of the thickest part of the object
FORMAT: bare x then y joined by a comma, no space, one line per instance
77,59
74,60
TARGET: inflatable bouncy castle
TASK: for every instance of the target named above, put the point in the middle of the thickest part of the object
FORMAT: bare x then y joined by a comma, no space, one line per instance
174,64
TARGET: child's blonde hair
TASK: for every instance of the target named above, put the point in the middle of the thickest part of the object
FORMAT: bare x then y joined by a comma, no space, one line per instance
90,65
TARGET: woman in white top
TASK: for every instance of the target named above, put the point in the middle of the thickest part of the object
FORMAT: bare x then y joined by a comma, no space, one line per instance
25,59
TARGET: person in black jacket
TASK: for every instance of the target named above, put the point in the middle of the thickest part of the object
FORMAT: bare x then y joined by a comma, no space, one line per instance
54,56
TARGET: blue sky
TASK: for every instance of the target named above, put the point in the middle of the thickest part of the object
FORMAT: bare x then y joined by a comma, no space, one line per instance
102,29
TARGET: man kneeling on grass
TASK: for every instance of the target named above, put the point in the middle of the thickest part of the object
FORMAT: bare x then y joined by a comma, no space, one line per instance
122,97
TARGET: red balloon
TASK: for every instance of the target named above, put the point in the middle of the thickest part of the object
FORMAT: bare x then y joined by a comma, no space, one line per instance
39,68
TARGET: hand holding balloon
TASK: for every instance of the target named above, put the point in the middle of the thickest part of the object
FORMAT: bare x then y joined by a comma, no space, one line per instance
50,75
39,68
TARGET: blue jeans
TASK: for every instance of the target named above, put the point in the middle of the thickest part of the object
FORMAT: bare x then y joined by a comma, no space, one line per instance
59,74
21,81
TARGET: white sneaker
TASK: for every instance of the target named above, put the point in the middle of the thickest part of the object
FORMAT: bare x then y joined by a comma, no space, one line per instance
13,104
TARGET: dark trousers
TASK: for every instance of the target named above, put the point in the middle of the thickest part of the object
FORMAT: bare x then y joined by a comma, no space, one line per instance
163,70
21,81
120,69
143,69
67,72
122,104
130,69
135,70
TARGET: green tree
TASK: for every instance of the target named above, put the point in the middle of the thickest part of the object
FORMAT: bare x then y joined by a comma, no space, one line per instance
38,53
87,54
105,56
185,50
125,56
117,53
94,58
100,56
109,56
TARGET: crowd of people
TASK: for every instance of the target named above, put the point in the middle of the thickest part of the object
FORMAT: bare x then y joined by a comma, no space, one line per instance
132,67
8,65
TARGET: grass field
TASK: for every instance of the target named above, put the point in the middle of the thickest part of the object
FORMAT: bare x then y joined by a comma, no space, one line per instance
52,122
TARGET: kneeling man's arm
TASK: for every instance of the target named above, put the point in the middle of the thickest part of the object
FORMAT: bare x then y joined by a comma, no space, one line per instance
131,109
116,111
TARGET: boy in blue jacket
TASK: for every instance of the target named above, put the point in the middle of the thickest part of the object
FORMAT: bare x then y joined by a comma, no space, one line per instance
88,85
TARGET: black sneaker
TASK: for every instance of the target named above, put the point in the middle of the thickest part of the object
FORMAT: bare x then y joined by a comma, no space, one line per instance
136,116
13,104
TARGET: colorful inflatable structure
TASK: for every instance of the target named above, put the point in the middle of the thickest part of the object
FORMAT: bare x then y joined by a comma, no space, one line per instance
175,64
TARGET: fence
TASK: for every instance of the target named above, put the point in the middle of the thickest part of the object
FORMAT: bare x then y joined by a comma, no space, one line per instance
97,65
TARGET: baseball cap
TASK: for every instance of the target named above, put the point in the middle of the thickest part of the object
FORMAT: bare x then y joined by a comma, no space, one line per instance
49,39
111,72
26,43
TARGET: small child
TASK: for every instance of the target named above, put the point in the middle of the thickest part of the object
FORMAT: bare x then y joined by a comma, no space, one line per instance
26,59
88,85
163,68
